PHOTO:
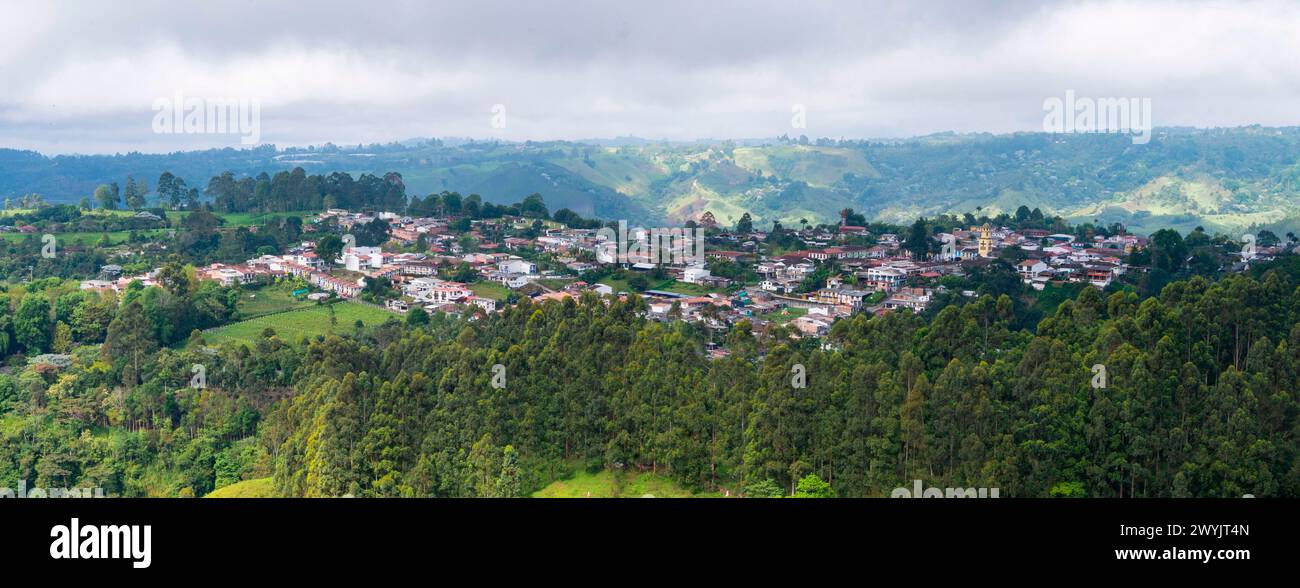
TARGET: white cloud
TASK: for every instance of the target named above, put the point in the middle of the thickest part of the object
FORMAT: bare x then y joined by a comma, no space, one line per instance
83,78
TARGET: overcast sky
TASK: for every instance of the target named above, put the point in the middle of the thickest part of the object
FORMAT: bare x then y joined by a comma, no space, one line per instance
84,77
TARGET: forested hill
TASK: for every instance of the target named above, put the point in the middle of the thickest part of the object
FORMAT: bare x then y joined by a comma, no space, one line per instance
1222,179
1197,400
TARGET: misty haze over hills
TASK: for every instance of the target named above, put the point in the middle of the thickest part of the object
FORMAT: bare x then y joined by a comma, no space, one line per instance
333,71
1222,179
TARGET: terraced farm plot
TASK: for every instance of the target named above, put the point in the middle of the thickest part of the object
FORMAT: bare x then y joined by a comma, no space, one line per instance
308,322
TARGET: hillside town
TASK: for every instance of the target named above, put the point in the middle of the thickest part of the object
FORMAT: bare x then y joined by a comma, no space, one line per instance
430,264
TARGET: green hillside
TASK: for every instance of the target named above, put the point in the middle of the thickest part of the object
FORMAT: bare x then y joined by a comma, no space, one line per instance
1222,179
258,488
607,484
307,322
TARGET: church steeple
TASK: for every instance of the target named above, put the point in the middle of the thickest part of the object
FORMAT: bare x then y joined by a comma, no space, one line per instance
985,240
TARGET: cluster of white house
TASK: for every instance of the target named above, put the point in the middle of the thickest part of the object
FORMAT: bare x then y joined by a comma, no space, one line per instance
877,278
437,294
414,274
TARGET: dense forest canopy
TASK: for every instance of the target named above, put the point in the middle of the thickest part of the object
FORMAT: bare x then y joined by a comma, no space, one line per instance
1198,399
295,190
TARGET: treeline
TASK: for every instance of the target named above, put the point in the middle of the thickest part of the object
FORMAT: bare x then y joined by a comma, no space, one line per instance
472,206
203,238
168,435
67,218
295,190
138,417
465,209
56,316
93,393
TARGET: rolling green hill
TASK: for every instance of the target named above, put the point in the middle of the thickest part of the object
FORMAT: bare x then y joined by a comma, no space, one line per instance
1222,179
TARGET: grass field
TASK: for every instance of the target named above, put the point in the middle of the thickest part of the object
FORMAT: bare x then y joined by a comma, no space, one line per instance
308,322
258,488
83,239
244,219
491,290
96,213
607,484
784,315
268,300
239,219
556,283
684,288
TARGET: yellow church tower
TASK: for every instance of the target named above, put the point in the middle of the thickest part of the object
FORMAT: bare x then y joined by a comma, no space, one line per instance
986,240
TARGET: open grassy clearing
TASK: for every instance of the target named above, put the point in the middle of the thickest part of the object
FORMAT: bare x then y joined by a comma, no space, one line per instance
784,315
268,300
257,488
491,290
83,239
607,484
308,322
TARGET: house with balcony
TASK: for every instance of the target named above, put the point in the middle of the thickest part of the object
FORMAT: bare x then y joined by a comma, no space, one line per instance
885,278
842,296
915,299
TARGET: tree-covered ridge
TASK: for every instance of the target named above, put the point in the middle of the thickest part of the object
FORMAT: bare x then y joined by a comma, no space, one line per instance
1223,179
295,190
1198,401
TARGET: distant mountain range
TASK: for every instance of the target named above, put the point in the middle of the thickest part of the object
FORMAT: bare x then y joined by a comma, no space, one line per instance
1222,179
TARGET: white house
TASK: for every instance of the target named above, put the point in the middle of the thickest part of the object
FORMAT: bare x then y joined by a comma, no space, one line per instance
416,288
447,292
694,275
487,304
508,279
356,258
781,286
1030,267
517,266
885,278
516,280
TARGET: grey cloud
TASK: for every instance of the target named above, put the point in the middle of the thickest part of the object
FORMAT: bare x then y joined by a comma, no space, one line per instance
81,76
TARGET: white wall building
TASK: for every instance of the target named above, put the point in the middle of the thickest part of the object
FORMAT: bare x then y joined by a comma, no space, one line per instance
517,266
356,258
693,275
